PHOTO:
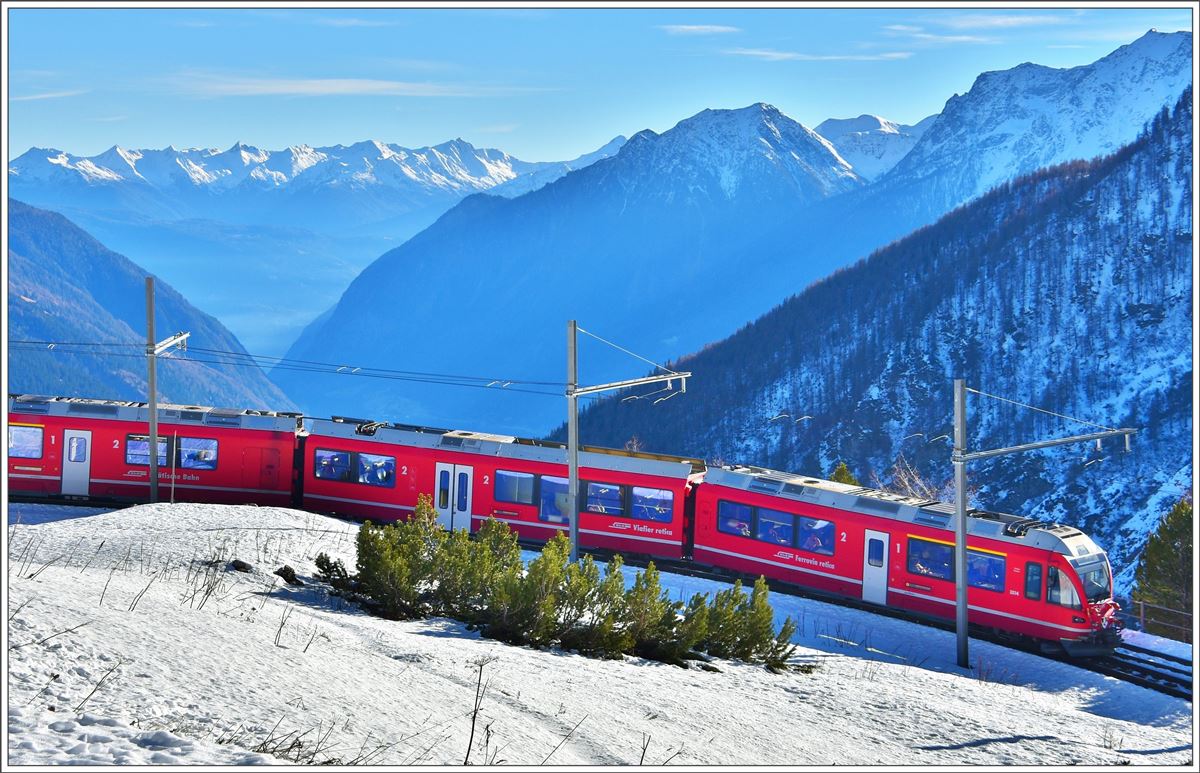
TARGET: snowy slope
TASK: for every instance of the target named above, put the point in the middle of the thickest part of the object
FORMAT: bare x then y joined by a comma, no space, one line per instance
192,684
870,144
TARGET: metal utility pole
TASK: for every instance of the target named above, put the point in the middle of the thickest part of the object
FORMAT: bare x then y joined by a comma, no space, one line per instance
960,517
959,458
152,351
574,391
573,437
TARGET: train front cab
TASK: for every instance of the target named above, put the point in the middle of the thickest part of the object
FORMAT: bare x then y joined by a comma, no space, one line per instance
1021,582
1087,590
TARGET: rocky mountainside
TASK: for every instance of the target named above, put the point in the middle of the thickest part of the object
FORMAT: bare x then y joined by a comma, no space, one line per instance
664,246
1069,289
870,144
64,286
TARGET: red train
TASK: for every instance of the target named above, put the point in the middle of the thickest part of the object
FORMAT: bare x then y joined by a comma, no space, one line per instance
1026,578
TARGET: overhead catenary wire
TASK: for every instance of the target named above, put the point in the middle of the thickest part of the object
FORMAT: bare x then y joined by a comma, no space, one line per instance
1040,410
623,349
247,360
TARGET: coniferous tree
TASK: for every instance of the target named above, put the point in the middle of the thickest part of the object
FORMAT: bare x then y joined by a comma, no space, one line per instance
842,474
1164,573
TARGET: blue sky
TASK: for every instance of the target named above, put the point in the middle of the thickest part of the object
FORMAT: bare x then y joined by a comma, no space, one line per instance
541,84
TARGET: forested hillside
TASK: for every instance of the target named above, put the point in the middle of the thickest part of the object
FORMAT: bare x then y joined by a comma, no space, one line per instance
1069,289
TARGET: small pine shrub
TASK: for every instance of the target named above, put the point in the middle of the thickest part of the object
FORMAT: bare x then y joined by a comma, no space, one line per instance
333,571
451,575
725,622
781,648
525,609
395,562
581,585
650,616
692,629
601,630
494,553
758,625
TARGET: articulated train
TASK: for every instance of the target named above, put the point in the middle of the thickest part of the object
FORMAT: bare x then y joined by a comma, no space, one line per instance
1026,578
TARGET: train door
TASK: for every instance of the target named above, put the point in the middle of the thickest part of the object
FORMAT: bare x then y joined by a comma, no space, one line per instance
77,462
453,495
875,567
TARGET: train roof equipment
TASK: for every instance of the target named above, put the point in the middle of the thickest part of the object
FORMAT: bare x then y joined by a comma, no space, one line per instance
128,410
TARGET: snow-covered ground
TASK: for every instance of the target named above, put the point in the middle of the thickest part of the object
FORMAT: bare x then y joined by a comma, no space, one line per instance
118,652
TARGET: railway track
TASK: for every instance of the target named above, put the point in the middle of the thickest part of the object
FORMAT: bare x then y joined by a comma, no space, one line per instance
1153,670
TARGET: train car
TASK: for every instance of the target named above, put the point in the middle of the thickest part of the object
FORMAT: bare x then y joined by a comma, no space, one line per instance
1025,578
65,448
629,502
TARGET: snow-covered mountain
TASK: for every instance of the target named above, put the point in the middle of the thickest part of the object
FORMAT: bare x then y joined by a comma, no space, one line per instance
294,226
644,245
1031,116
1069,289
456,167
870,144
1011,122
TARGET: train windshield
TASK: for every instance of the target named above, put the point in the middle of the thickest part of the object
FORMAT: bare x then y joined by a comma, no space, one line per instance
1093,571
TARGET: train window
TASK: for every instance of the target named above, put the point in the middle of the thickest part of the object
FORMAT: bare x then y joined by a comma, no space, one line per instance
377,470
985,570
444,489
464,491
197,453
331,465
930,559
554,505
875,552
775,527
25,442
514,487
734,518
816,536
604,498
1033,581
137,450
1093,571
77,449
1059,589
651,504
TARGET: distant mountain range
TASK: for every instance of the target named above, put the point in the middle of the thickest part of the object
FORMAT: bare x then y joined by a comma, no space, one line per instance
293,226
1070,289
666,245
680,238
368,184
66,287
